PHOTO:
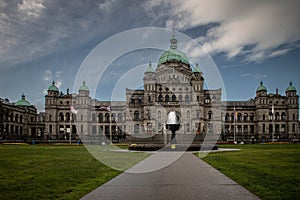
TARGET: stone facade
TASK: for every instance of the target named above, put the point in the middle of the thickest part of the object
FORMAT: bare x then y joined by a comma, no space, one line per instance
20,120
174,85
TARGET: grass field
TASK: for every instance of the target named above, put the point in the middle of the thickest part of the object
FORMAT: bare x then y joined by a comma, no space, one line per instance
51,172
268,170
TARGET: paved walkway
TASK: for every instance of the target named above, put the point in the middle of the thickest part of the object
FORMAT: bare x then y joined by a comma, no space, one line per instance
187,178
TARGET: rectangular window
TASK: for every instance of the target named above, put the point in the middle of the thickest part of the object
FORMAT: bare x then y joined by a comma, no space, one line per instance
239,128
159,127
251,128
197,126
283,128
100,129
227,129
245,129
106,129
50,128
198,114
136,128
94,129
293,128
264,128
188,127
210,128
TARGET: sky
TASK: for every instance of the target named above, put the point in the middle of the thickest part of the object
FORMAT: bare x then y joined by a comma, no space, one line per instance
45,40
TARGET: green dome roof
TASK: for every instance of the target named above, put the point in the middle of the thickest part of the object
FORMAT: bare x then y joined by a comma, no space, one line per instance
53,87
291,88
22,102
83,87
150,69
173,54
261,87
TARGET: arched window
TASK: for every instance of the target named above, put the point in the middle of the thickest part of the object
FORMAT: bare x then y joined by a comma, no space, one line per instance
245,117
277,116
61,116
227,117
68,117
140,100
180,98
173,97
251,117
113,117
74,117
160,98
100,117
120,117
187,98
283,116
106,117
158,114
167,98
232,117
94,117
239,117
136,115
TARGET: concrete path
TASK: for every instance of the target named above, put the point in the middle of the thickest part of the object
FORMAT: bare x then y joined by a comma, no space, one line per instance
187,178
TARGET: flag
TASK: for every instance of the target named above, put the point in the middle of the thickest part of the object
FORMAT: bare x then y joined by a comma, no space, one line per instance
105,108
73,110
235,113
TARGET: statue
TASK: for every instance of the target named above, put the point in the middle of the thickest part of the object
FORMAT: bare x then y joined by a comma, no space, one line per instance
173,124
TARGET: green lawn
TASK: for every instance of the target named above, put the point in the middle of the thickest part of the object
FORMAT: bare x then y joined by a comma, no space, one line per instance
268,170
51,172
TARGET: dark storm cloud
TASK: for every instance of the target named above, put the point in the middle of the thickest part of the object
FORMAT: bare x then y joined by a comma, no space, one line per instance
34,28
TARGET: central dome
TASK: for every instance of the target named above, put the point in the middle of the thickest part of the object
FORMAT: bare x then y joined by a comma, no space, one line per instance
173,54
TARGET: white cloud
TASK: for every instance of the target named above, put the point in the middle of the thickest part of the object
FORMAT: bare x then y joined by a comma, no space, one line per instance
47,75
31,8
253,29
253,75
50,76
106,6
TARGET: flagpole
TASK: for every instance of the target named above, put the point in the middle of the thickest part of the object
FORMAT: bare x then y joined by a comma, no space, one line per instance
234,122
73,111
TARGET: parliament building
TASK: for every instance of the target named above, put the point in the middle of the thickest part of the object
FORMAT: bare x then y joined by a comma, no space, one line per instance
174,85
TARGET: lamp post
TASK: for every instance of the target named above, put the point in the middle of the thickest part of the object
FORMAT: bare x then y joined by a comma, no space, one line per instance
70,129
273,128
